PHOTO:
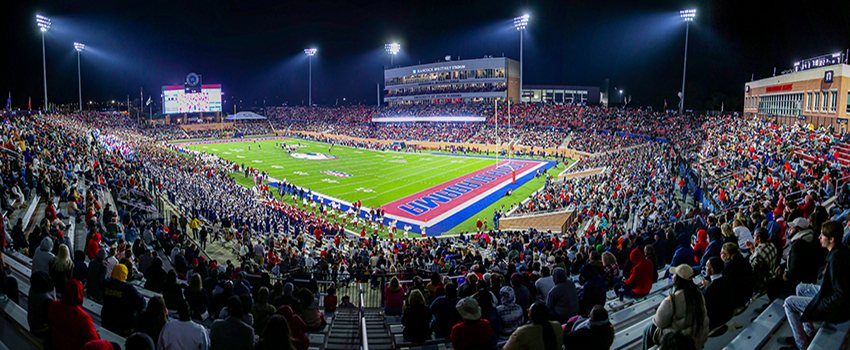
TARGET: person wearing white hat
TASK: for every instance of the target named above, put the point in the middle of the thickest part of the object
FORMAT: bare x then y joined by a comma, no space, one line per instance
472,332
683,310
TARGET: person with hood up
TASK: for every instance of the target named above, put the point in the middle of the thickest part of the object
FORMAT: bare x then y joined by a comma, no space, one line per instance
640,282
38,301
445,313
61,268
715,244
70,326
300,340
97,274
121,303
563,298
155,276
510,313
93,246
701,245
41,259
684,254
593,291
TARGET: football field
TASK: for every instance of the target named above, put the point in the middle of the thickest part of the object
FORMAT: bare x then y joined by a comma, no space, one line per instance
438,191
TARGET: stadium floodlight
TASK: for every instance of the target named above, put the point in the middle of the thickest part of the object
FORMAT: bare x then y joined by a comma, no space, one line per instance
79,47
44,25
43,22
310,53
520,23
688,16
393,50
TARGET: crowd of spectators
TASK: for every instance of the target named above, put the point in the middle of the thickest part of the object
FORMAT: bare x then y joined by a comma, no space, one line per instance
481,289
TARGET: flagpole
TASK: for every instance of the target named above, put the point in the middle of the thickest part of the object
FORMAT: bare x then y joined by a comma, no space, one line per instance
498,141
509,125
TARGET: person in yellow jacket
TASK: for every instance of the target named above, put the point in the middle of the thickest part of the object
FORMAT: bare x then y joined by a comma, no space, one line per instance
194,224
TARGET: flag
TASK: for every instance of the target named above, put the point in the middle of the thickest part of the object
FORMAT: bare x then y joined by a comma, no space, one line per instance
9,101
665,104
149,101
29,104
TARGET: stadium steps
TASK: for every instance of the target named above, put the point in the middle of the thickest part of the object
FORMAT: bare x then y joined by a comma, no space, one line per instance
377,332
344,331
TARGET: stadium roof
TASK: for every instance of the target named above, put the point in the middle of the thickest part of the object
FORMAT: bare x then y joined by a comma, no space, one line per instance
244,116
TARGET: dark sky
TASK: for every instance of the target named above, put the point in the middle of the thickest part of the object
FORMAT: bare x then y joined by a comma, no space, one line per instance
255,48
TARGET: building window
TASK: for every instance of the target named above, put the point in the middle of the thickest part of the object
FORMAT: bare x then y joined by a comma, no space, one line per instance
808,101
833,102
815,104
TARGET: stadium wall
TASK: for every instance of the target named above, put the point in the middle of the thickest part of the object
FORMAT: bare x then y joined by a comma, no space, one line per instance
573,154
208,126
556,222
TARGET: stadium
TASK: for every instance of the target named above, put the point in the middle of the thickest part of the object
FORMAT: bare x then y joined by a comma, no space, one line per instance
464,209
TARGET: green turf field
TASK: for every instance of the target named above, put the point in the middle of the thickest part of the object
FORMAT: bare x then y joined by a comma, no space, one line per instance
377,177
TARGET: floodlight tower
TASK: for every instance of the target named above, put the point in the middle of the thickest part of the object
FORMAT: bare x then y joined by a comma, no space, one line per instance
520,23
310,53
392,49
688,16
44,25
79,47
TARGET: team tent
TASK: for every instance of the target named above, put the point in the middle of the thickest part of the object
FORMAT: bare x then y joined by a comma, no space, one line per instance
244,116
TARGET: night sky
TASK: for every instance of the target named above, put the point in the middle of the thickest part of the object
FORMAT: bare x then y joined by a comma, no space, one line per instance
255,48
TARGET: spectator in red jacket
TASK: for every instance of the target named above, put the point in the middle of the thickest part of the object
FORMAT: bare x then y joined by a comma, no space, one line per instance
640,282
70,326
93,246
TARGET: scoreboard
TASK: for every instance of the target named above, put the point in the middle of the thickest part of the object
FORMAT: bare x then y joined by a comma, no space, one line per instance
179,99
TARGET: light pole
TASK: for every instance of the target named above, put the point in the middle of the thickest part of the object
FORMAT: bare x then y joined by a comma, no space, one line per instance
44,25
310,53
79,47
688,16
520,23
392,49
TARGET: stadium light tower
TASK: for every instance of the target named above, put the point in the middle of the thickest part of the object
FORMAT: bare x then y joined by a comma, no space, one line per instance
79,47
520,23
688,16
392,49
310,53
44,25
